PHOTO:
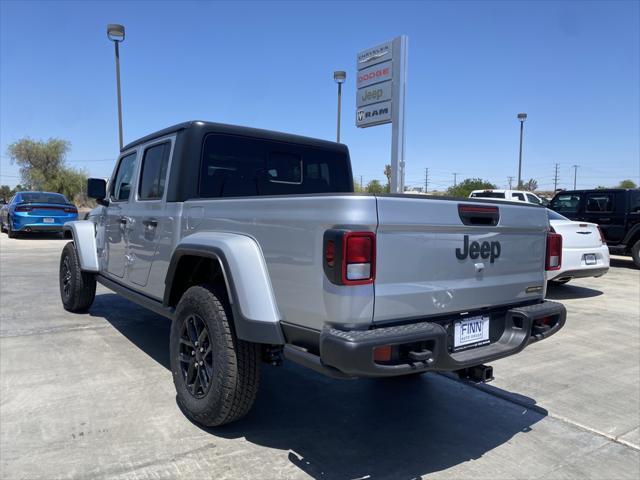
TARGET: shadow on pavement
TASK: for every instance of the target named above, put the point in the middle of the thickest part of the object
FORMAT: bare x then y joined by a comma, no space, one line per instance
392,428
568,292
40,236
623,263
148,331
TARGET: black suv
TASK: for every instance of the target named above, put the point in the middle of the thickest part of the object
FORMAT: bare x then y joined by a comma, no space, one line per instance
616,210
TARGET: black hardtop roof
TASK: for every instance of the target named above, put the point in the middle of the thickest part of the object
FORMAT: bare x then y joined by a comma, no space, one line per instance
212,127
597,190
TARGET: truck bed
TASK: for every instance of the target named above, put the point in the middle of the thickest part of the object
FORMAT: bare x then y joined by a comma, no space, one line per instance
418,272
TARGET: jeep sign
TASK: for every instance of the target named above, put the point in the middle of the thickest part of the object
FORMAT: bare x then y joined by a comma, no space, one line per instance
375,114
380,92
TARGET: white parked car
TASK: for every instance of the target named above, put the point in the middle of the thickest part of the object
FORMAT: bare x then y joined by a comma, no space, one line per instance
511,195
584,250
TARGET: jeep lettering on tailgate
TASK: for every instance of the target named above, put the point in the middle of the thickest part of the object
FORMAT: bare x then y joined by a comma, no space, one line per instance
490,250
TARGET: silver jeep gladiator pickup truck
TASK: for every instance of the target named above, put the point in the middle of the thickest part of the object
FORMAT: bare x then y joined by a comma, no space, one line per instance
255,246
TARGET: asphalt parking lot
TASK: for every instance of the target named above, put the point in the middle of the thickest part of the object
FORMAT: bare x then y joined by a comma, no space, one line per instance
91,396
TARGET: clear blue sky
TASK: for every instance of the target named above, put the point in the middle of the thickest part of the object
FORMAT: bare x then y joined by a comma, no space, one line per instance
574,67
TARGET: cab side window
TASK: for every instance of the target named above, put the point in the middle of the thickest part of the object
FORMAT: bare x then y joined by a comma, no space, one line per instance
599,202
518,196
153,172
121,186
533,199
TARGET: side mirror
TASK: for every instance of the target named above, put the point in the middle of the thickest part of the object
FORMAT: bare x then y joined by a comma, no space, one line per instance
97,189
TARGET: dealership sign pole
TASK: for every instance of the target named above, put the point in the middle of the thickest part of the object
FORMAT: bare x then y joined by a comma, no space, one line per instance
381,86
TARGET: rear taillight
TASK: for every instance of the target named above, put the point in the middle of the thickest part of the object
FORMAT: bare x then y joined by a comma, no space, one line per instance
23,208
349,257
71,209
554,251
601,235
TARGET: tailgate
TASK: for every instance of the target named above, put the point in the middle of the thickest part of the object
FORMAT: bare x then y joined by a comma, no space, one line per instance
418,269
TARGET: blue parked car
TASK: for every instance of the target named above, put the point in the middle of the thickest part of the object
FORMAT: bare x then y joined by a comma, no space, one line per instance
36,212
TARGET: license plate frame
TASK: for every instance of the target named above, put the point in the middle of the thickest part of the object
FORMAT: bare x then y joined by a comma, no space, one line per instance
48,220
590,259
471,332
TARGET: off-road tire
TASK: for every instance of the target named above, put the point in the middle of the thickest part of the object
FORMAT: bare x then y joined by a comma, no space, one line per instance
2,229
77,288
235,376
635,253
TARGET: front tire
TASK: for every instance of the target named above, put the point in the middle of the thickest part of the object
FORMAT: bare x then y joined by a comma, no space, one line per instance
77,288
216,375
635,253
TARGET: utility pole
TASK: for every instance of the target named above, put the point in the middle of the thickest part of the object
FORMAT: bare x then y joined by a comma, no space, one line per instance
426,180
555,179
510,179
361,186
455,179
575,175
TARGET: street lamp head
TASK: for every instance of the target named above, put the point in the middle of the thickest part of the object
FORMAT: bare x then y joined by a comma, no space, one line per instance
522,117
115,32
339,76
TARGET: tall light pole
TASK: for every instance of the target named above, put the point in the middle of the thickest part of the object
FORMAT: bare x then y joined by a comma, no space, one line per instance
575,175
521,118
115,33
339,76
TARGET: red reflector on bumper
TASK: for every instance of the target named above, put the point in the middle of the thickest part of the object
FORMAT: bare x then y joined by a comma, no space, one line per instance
382,354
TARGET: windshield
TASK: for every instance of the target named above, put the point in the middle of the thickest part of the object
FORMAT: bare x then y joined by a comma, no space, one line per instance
42,197
555,215
488,194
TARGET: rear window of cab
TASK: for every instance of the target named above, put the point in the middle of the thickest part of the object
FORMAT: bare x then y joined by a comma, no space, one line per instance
234,166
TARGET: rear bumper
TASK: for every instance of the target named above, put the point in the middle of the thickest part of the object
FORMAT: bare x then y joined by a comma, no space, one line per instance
574,264
350,353
32,223
582,273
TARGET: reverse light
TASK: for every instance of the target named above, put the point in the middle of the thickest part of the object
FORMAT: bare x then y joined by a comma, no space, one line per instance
349,257
554,251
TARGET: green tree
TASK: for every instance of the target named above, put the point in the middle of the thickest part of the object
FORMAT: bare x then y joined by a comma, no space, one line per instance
374,186
387,173
5,192
464,188
42,166
627,184
356,186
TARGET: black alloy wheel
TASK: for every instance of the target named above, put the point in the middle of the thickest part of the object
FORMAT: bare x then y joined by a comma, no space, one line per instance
196,356
65,278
